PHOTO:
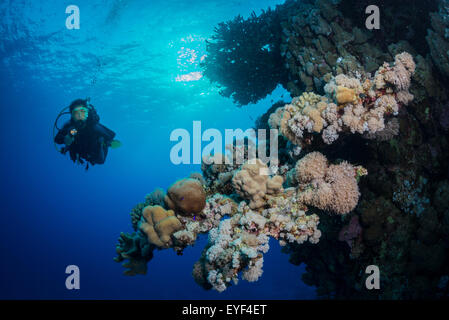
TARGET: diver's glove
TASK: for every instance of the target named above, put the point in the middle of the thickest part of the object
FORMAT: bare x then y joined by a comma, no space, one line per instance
68,139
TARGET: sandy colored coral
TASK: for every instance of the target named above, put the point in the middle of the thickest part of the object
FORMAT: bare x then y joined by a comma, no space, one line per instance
397,75
333,188
218,169
159,224
186,197
307,113
252,183
310,167
345,95
302,114
280,120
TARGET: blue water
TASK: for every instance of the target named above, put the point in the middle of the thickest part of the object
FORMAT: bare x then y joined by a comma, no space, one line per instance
127,57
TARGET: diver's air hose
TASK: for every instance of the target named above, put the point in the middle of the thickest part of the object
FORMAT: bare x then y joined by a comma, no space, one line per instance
55,125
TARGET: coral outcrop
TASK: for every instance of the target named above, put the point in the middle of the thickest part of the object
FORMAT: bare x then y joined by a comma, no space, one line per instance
238,232
238,244
377,98
355,105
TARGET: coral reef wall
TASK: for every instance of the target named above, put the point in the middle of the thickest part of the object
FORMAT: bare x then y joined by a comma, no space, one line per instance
438,38
401,222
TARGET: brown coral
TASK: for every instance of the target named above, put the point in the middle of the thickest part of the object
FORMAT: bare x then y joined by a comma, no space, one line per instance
186,197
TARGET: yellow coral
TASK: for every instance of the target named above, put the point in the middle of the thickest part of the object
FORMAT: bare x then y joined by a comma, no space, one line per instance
159,224
345,95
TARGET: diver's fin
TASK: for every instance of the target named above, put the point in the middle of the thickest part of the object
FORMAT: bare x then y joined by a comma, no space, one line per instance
115,144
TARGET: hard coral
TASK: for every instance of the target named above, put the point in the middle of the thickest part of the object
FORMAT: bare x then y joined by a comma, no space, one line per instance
345,95
252,183
186,197
159,224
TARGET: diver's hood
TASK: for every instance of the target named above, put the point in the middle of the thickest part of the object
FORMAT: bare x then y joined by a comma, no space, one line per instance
84,103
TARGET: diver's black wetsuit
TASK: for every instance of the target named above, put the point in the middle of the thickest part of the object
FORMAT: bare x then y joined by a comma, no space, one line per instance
91,142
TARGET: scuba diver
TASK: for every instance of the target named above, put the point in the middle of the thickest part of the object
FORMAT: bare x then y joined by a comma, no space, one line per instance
84,137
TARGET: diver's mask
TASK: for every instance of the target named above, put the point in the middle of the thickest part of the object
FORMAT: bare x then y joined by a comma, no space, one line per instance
80,114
